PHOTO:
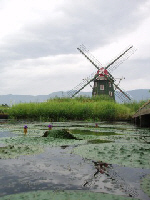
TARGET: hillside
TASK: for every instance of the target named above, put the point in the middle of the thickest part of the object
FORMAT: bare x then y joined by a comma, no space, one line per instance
139,94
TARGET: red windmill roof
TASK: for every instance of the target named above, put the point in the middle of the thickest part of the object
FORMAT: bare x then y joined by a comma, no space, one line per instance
102,71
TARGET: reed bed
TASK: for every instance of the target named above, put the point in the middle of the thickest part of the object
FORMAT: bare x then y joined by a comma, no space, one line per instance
134,106
62,109
3,110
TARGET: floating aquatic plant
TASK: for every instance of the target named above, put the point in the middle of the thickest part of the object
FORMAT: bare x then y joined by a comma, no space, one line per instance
16,150
145,184
63,134
132,155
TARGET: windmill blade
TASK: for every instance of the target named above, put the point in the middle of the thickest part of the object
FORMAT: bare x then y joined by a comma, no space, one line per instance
122,97
82,85
113,64
116,62
89,56
120,59
122,94
87,81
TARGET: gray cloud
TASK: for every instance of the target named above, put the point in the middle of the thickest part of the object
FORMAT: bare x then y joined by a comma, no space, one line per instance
94,23
49,44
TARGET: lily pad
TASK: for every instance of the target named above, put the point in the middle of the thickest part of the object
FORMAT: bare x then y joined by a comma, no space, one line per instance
132,155
145,184
13,151
40,141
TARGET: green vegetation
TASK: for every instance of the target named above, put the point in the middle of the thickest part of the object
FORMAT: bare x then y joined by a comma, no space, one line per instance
80,108
98,141
145,184
3,110
89,132
64,195
63,134
134,106
126,154
28,145
13,151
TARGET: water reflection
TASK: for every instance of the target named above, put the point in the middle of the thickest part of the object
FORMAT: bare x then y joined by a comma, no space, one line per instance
57,168
7,134
114,179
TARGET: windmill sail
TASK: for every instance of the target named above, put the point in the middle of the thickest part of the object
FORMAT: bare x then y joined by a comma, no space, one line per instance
120,59
89,56
122,95
82,85
112,65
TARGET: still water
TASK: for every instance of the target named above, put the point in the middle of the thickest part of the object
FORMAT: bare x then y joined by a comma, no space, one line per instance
57,168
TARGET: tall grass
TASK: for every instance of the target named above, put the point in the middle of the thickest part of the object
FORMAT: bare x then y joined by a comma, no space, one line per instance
3,110
81,108
134,106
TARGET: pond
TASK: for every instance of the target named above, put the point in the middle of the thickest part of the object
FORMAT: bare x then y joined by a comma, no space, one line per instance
107,161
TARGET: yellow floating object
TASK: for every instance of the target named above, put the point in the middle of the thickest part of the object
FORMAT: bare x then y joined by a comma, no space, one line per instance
25,131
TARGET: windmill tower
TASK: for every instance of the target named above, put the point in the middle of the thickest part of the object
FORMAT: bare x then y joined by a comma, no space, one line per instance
104,82
103,86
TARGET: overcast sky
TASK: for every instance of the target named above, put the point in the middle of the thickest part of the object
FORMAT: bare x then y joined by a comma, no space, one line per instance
39,40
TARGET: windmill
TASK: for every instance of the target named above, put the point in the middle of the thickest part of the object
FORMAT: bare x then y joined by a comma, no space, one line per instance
104,82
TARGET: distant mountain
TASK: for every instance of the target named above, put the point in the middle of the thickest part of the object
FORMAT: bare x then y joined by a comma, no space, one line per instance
141,94
138,95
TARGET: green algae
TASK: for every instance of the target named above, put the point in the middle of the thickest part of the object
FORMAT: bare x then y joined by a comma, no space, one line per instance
90,132
132,155
63,195
145,185
13,151
98,141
